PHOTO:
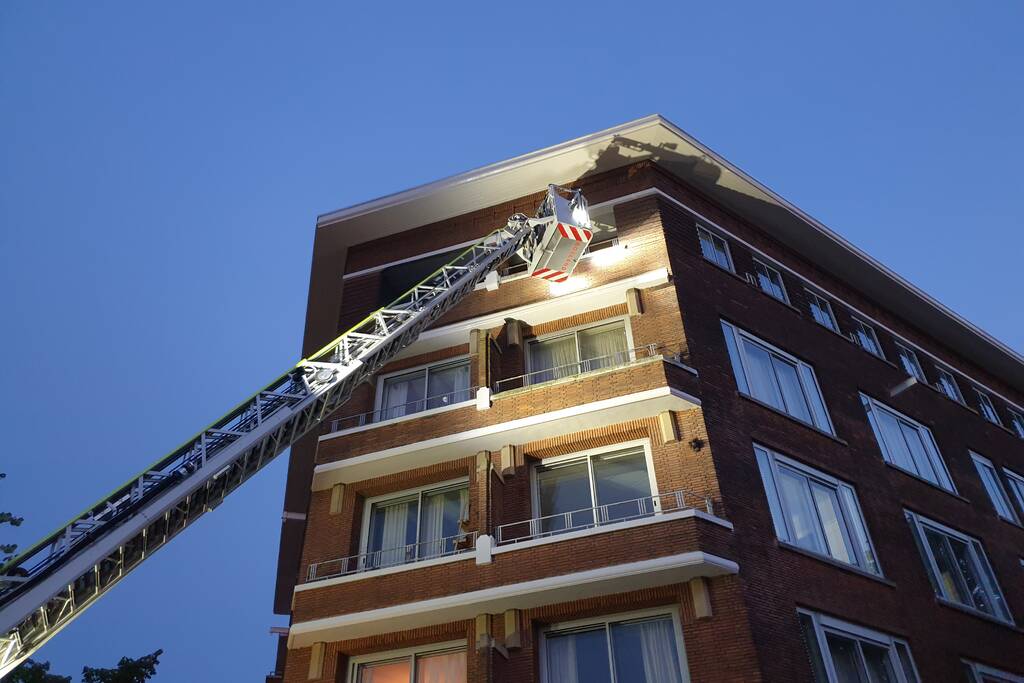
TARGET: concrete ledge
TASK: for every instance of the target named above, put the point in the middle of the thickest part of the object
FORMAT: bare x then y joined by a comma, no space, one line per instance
493,437
660,571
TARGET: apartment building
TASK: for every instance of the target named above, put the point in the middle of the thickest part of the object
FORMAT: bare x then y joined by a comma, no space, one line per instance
731,447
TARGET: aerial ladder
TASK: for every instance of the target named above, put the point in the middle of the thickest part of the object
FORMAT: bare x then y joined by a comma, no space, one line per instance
46,587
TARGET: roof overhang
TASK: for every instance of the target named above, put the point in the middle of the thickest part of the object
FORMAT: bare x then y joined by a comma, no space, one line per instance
657,139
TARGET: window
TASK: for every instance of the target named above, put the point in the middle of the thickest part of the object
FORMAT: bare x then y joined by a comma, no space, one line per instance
821,311
958,568
866,338
947,385
770,281
979,673
416,525
714,248
985,407
446,666
576,352
1017,423
907,444
908,359
994,487
814,511
581,492
643,650
774,377
1016,483
845,653
435,386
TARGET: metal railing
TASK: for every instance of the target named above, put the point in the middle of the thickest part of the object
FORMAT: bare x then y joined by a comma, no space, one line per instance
602,515
618,359
411,408
392,557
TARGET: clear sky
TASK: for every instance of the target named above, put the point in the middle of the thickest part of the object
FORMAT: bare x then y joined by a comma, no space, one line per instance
162,164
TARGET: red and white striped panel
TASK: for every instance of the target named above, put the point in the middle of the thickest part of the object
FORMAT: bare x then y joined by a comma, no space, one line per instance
573,233
550,275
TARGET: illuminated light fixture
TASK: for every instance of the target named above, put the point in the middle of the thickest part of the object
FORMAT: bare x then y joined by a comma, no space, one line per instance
573,284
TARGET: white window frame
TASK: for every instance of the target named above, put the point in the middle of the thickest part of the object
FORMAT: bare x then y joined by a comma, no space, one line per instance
981,462
574,331
378,399
405,493
916,370
849,515
825,305
740,333
870,405
609,619
405,653
977,670
861,330
917,523
1016,482
778,273
986,408
1017,423
953,384
701,230
589,453
824,623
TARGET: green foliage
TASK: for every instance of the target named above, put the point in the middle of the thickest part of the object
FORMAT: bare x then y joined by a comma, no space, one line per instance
128,670
7,549
35,672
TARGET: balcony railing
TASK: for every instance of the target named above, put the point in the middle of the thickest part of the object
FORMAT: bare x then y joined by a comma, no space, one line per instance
411,408
392,557
602,515
617,359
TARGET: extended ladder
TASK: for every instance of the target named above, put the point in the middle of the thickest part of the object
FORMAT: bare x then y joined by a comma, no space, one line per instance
46,587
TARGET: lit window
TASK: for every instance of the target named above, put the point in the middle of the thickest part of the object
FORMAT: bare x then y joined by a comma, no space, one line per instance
770,280
436,386
842,652
994,487
581,492
821,311
447,666
866,338
714,248
416,525
814,511
958,568
985,407
644,650
776,378
907,444
947,385
908,359
568,354
1017,423
1016,483
980,673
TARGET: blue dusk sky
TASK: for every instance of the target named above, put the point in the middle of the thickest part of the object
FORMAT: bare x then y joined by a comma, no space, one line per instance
162,165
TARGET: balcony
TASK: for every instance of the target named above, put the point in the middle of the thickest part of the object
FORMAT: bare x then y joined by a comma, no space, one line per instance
427,405
390,558
673,352
603,516
665,539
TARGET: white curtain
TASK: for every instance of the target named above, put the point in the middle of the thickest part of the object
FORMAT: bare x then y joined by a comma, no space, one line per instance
556,356
603,347
432,526
448,385
445,668
561,659
396,395
391,672
393,540
658,645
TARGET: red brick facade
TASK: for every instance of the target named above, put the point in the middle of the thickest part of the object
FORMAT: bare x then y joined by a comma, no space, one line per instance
751,631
